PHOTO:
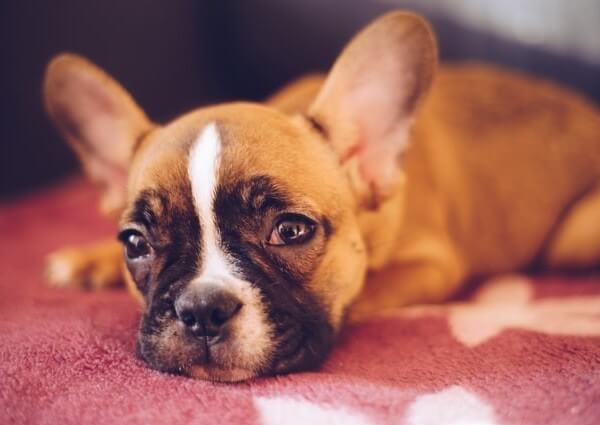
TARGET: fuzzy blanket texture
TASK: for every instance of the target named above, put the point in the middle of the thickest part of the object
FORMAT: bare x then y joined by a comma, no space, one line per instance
519,350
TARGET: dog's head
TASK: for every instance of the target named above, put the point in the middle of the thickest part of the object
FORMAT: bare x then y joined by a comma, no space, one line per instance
240,224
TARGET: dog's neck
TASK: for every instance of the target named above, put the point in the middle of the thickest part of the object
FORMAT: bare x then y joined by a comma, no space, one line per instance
380,239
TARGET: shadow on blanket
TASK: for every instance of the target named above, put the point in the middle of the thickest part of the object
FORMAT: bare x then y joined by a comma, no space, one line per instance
521,350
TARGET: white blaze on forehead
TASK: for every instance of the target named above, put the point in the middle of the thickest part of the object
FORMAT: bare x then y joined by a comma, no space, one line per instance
252,333
205,159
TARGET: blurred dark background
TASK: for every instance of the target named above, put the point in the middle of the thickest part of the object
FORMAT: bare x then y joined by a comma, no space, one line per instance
175,55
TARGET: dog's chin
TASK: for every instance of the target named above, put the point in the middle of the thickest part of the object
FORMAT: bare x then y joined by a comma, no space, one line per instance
240,353
219,374
227,361
192,361
221,365
175,352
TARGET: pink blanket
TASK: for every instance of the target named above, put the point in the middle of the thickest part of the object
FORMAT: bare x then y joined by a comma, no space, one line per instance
519,351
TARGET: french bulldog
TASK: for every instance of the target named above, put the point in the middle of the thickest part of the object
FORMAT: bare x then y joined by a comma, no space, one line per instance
247,230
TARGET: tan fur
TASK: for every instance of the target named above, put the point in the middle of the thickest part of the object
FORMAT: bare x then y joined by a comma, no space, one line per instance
501,170
498,160
94,266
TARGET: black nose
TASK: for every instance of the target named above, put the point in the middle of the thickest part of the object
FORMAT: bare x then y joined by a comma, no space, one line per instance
205,311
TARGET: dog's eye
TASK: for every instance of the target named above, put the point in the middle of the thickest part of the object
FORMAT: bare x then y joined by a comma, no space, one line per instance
136,246
292,229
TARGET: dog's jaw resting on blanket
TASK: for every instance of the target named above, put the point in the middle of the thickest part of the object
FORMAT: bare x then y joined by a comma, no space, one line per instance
248,229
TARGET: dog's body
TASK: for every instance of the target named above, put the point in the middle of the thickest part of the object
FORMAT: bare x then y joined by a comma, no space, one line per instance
494,185
502,172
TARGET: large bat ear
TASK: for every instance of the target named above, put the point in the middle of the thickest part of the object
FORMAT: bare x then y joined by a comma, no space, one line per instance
99,119
369,98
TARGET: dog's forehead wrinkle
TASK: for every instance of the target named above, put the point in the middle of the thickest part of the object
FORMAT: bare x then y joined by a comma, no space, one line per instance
246,198
147,206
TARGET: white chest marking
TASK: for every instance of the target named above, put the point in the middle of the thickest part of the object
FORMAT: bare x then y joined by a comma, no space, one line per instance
204,163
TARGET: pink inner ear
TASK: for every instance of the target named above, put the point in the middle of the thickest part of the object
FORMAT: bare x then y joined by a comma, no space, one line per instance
104,140
379,168
99,119
382,132
107,128
379,165
370,95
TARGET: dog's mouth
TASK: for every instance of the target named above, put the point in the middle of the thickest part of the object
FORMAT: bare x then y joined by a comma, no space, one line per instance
234,356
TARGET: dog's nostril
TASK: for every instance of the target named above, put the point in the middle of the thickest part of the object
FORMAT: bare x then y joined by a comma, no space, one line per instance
220,315
206,311
188,318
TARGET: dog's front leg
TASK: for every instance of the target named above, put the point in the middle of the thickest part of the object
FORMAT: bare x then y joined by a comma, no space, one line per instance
405,284
94,266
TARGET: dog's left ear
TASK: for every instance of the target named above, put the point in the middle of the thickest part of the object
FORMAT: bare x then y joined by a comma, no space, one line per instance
369,98
99,119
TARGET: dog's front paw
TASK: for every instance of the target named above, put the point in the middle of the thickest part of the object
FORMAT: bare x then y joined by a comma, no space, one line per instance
82,267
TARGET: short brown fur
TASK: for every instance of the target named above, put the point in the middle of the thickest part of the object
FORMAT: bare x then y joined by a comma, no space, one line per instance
502,171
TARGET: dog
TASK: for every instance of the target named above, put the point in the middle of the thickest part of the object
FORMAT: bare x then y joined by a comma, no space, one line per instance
247,230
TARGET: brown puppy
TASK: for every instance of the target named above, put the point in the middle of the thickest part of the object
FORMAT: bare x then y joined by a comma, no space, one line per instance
248,229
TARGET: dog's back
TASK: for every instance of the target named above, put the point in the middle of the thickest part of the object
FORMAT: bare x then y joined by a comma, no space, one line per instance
510,158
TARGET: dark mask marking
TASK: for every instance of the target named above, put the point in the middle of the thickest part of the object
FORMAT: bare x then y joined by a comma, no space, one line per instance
174,231
244,211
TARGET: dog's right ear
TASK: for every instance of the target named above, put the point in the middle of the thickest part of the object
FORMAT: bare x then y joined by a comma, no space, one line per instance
99,119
